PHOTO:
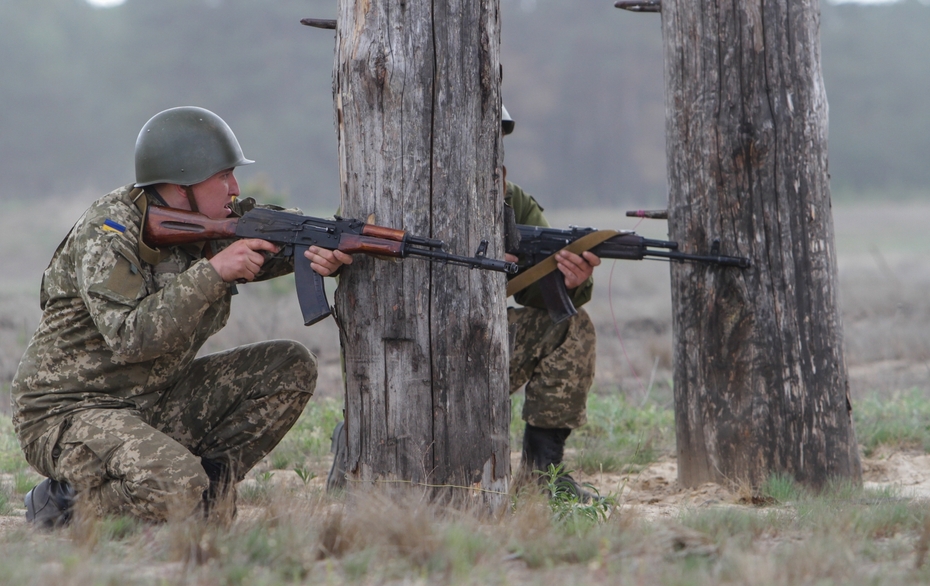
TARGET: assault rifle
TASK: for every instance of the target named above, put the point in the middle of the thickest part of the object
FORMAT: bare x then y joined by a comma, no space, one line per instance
538,244
296,233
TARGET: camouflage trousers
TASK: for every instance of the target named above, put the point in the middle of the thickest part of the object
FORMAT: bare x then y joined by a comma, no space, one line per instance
231,408
555,362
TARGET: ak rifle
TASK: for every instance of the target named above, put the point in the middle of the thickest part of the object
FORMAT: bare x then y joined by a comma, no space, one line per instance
538,245
295,233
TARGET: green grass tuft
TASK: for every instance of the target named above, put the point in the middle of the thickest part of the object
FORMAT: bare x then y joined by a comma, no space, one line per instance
901,421
6,506
782,488
309,440
620,437
11,455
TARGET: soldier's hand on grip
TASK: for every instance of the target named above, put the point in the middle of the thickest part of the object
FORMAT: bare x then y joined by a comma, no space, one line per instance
576,269
241,260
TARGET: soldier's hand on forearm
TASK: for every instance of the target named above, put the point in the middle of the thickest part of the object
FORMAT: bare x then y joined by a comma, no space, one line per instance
241,260
325,261
576,268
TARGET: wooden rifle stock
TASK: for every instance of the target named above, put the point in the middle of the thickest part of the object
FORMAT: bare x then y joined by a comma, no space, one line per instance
350,244
170,227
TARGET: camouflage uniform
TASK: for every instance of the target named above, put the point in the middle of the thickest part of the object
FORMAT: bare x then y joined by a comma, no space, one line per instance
554,361
110,396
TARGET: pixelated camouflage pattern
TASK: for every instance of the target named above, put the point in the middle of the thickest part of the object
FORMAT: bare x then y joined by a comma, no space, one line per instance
555,362
231,407
120,334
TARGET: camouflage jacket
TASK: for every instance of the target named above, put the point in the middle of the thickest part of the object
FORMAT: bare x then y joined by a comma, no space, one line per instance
115,330
528,212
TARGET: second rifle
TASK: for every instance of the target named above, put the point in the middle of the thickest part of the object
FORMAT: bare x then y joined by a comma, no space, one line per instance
537,246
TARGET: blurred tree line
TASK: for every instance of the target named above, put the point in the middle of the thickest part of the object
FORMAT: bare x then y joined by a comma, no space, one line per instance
582,79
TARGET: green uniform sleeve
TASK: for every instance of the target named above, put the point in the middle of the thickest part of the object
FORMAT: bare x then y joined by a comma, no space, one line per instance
528,212
136,323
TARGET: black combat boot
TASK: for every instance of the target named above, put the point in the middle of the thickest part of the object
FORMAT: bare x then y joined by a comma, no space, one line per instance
543,447
336,479
219,500
49,504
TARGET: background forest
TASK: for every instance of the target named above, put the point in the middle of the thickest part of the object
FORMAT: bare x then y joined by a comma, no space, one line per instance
583,80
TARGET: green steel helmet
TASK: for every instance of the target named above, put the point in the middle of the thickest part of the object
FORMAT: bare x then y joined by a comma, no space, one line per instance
507,122
184,146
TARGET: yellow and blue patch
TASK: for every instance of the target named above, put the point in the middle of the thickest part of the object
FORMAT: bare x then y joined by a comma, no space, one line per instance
111,226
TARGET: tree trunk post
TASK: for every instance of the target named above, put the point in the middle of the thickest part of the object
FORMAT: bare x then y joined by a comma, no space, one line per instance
417,98
761,385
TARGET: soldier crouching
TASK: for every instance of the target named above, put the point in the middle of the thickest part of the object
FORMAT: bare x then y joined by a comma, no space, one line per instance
110,401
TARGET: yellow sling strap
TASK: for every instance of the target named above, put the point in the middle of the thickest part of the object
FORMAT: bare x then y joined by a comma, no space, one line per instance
540,270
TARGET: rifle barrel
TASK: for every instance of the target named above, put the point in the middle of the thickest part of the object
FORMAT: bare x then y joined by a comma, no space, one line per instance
726,261
668,244
468,261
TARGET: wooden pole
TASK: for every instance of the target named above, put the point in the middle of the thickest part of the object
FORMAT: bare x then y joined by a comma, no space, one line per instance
417,96
761,385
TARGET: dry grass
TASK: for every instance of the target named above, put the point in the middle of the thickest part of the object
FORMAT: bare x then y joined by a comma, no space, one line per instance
376,536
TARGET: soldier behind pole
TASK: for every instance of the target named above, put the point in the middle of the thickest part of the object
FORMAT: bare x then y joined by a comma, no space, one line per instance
554,361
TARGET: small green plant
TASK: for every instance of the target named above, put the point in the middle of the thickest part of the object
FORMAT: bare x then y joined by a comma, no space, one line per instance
305,474
567,505
256,493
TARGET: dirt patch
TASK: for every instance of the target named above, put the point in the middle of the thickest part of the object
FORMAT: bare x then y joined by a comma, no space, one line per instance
653,493
908,473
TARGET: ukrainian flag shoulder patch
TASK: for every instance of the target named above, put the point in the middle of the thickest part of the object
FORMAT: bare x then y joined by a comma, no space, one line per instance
111,226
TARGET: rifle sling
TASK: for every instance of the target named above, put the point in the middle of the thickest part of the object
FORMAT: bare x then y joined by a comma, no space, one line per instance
541,269
147,254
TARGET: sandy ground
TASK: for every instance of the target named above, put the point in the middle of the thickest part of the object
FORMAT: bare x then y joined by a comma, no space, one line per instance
654,492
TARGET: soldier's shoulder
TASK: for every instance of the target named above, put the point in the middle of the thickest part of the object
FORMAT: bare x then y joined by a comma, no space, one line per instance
520,198
115,212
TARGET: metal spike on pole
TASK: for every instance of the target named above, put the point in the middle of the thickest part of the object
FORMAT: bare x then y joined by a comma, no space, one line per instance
640,5
326,23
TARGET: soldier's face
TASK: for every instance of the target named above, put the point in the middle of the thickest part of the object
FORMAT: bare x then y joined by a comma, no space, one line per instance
214,195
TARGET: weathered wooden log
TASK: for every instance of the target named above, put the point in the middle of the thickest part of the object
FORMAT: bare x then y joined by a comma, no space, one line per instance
417,97
761,385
